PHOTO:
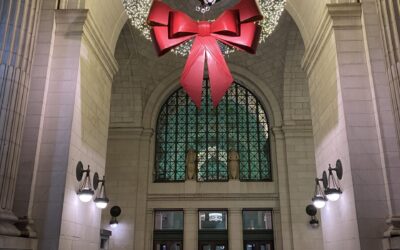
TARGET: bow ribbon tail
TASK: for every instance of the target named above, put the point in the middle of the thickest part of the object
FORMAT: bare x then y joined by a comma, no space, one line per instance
206,49
193,73
220,76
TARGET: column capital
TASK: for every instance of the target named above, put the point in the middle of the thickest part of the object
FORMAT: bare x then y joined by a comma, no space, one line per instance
277,132
345,15
235,210
70,21
190,210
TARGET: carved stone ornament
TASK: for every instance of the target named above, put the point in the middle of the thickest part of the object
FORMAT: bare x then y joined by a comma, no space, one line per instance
233,164
191,164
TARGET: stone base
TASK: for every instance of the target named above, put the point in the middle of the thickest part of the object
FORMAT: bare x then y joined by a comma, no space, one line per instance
6,228
7,221
17,243
391,239
25,226
391,243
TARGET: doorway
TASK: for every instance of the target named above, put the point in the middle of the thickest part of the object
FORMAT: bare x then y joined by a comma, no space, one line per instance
258,245
213,245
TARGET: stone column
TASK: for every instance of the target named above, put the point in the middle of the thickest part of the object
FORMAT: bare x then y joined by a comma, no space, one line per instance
142,184
284,197
235,229
18,25
353,121
389,11
190,229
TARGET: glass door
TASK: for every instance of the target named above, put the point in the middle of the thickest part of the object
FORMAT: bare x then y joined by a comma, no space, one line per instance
168,230
213,245
258,245
168,245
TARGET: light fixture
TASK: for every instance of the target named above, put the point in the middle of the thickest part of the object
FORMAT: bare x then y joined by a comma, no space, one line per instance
101,199
85,191
319,199
331,185
115,211
311,210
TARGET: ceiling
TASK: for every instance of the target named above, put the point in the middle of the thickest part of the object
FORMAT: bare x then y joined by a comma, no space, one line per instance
189,7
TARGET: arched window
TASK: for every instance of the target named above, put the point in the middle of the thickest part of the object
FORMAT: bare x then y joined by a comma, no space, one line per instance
239,123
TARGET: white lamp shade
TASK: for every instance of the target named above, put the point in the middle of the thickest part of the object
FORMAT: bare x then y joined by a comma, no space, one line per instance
85,195
101,202
319,202
333,196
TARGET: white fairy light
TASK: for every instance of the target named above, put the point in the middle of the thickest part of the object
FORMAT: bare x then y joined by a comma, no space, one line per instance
138,10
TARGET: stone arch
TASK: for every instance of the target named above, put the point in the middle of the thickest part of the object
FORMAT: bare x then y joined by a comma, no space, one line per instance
165,88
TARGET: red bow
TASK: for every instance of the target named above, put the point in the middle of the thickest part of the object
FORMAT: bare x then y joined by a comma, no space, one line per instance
235,27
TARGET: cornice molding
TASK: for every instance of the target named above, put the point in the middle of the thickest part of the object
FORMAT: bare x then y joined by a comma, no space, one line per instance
70,21
134,133
99,46
335,17
345,15
213,197
301,128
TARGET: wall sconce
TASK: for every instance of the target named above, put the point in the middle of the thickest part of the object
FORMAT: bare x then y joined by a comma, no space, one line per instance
311,210
331,185
319,199
85,191
115,211
101,199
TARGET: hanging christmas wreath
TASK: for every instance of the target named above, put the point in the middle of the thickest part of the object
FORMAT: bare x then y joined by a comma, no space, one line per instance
138,11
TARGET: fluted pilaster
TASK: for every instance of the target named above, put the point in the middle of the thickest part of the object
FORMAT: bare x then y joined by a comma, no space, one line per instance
190,232
18,25
389,11
390,14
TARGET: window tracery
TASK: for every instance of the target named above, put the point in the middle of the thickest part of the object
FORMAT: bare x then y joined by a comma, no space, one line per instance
238,124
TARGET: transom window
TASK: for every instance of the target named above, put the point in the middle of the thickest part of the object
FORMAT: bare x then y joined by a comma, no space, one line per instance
239,124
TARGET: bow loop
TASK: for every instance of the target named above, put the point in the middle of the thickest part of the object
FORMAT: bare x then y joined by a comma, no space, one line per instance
247,40
227,24
248,11
158,14
181,25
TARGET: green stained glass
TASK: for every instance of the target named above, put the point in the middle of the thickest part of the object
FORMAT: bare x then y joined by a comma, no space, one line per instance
239,123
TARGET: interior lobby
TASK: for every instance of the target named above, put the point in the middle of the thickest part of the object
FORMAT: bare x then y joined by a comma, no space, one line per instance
103,145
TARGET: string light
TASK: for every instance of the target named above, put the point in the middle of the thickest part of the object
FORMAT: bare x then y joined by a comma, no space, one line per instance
138,10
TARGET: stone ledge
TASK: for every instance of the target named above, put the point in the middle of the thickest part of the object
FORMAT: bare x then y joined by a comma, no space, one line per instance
129,133
17,243
213,197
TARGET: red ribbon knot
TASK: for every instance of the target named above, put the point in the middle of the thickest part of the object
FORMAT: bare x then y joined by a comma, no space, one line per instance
204,28
235,27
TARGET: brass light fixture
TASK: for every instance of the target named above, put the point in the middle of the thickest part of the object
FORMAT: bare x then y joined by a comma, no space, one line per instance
85,191
101,199
332,188
319,199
